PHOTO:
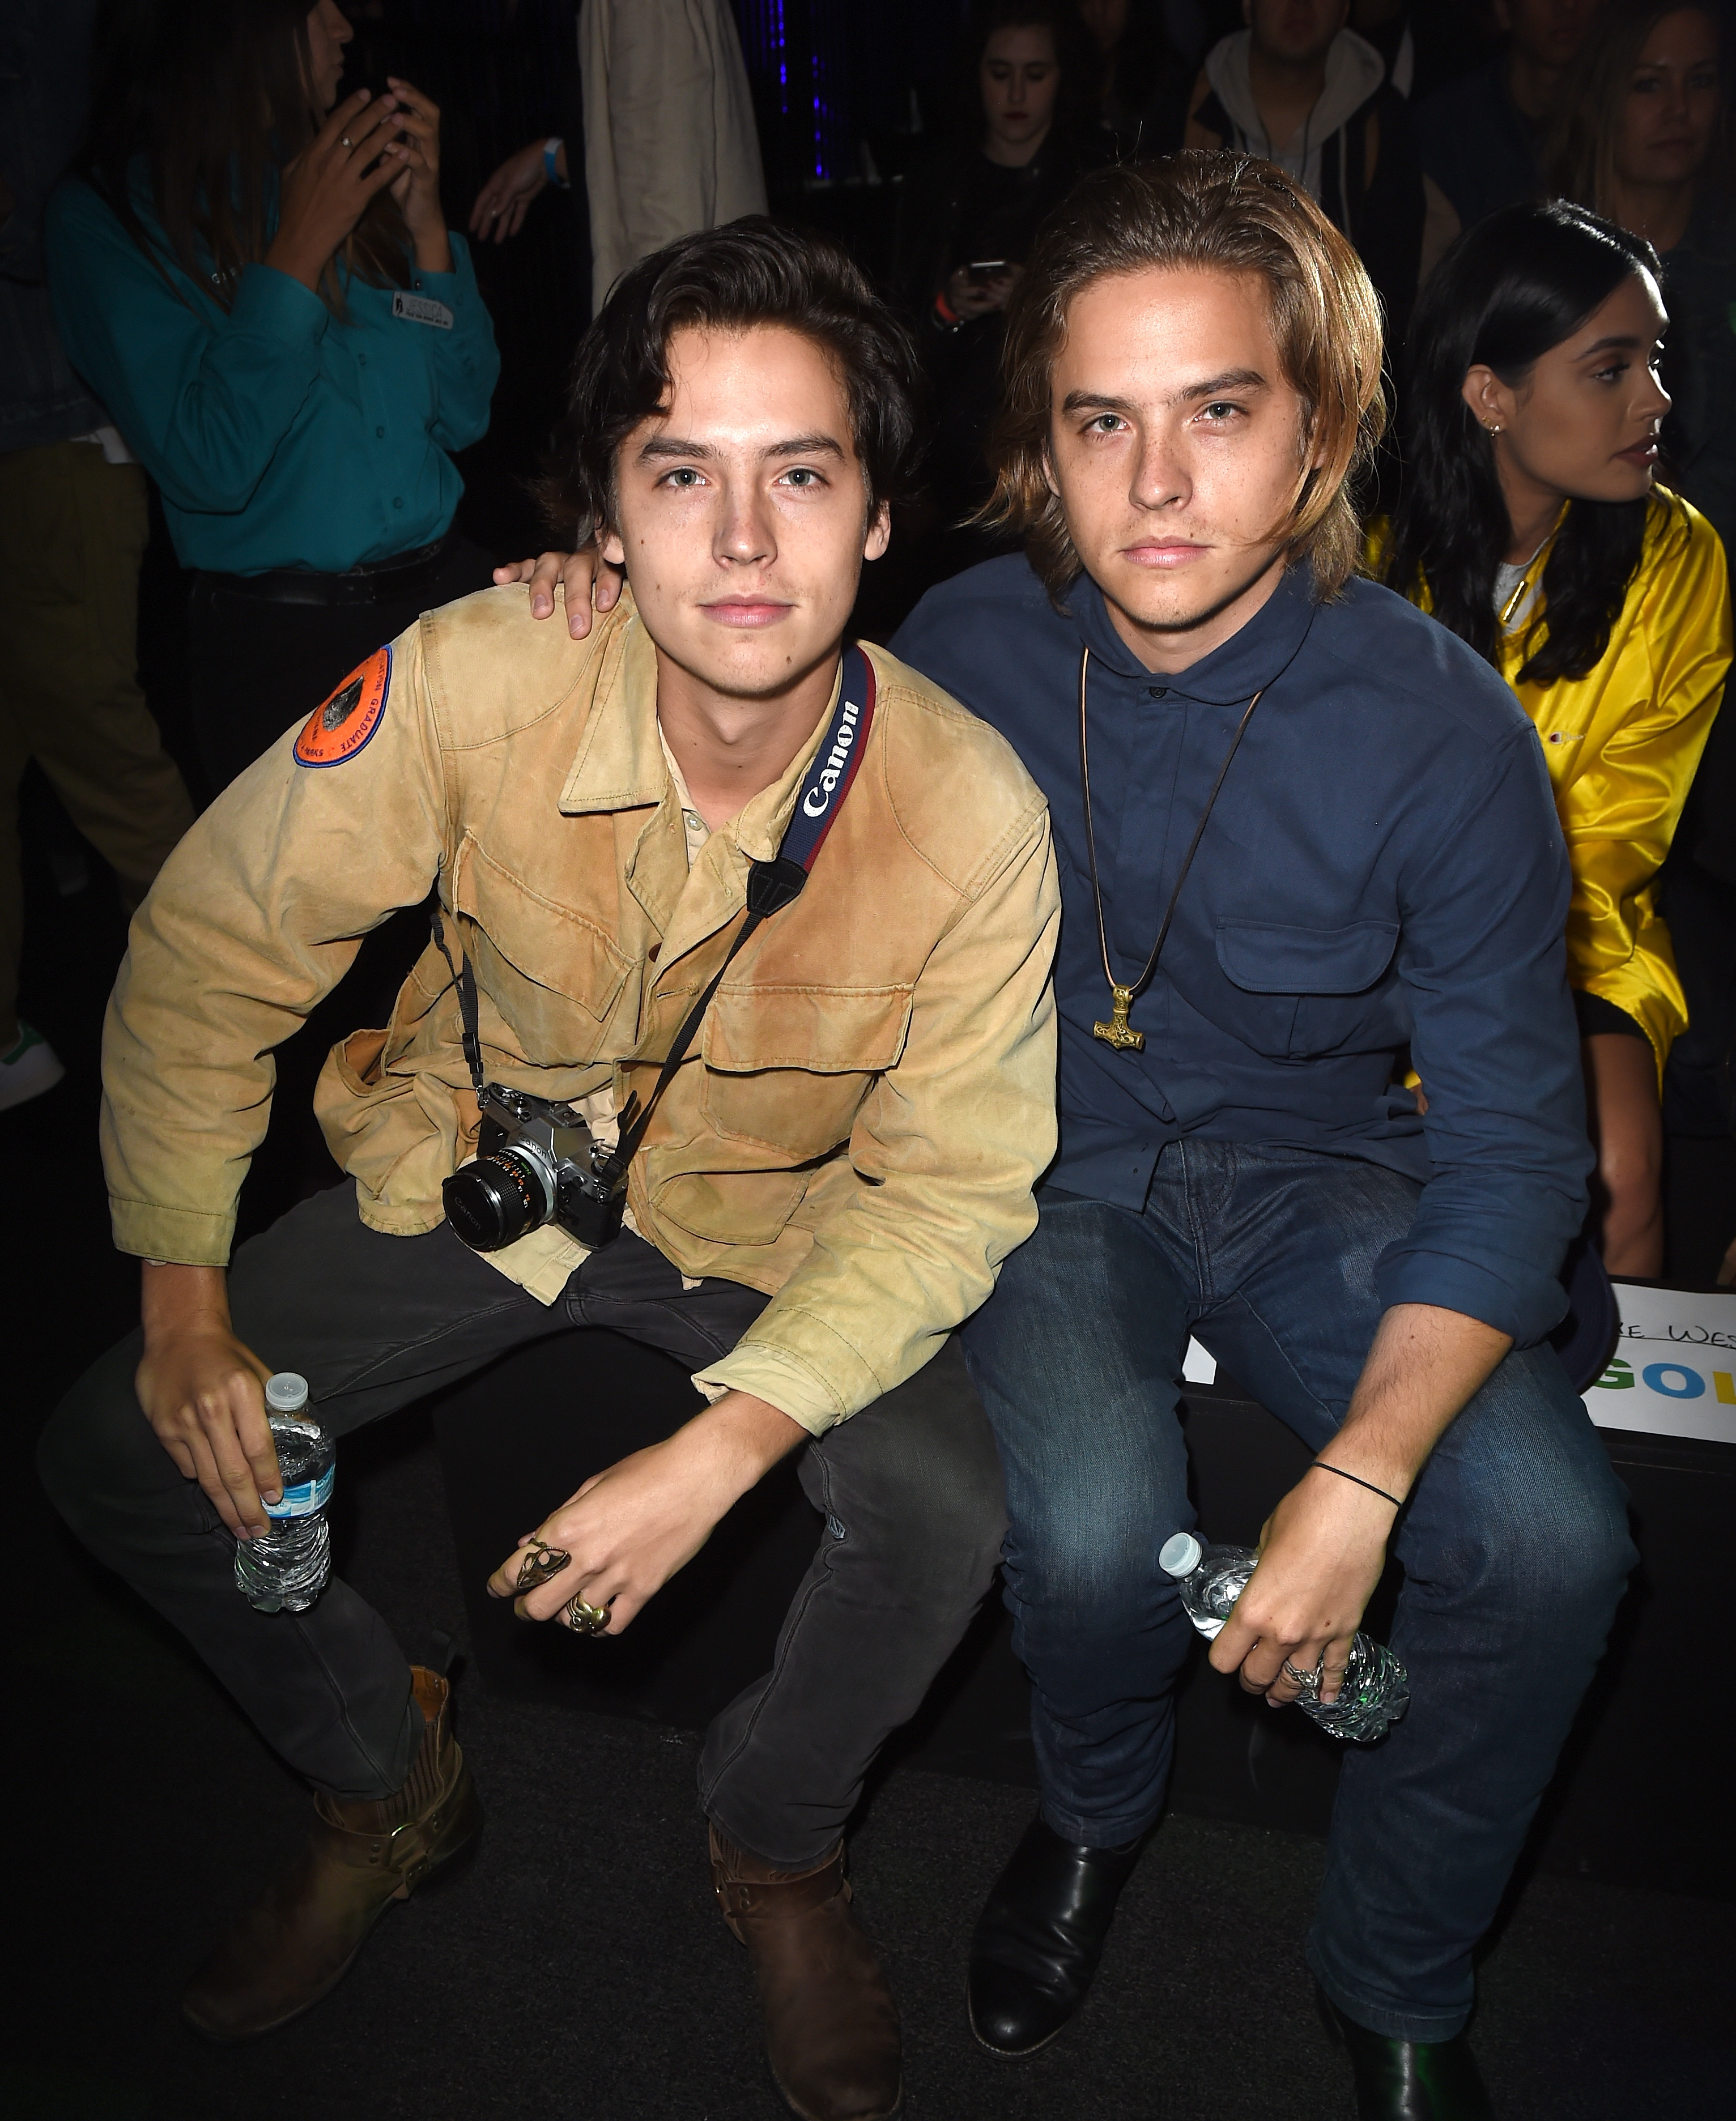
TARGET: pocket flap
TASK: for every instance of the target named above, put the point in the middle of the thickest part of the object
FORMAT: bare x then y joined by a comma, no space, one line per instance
1267,958
552,946
830,1031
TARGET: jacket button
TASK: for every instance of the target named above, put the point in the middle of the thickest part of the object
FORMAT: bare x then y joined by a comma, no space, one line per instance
1158,692
650,955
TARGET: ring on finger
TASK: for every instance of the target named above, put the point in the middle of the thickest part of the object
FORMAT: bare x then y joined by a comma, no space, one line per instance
541,1562
1304,1678
345,141
585,1620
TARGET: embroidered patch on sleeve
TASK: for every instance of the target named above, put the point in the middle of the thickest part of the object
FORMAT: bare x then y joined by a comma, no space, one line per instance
339,727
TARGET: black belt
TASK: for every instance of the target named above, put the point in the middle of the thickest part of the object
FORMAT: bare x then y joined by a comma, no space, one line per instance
379,581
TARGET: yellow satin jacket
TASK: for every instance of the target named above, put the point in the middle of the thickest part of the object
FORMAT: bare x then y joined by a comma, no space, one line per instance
1622,744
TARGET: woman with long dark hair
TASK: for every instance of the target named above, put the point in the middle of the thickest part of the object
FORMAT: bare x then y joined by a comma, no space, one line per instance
1530,524
259,282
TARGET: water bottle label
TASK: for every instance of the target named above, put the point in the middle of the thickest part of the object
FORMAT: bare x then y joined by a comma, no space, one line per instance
305,1500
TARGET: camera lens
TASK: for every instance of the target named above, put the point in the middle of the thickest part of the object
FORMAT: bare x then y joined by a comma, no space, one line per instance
495,1200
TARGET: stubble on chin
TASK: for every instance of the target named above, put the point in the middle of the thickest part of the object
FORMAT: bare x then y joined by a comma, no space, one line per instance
1186,600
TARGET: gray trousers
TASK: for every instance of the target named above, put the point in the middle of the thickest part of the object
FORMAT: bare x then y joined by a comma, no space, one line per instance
910,1489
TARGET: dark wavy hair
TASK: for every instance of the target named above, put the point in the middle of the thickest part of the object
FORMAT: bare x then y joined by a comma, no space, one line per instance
751,272
207,100
1515,285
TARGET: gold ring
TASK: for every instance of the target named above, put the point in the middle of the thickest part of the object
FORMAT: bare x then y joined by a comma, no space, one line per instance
540,1565
585,1620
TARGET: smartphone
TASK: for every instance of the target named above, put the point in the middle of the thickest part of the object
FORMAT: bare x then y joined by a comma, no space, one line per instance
983,270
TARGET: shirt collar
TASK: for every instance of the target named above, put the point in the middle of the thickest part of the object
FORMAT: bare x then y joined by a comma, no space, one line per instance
1246,664
622,763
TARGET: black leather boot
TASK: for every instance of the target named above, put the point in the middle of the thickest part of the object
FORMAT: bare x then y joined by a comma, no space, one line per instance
1410,2080
1039,1937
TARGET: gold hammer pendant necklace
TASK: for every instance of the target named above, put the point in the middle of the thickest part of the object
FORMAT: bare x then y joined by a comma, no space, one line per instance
1118,1033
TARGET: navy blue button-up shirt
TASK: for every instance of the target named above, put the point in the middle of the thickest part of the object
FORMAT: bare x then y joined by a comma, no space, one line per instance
1383,868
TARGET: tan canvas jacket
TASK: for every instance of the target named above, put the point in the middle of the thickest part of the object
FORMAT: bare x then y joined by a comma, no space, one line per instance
859,1128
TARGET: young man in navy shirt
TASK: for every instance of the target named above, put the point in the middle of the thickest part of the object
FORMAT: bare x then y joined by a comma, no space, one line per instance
1304,831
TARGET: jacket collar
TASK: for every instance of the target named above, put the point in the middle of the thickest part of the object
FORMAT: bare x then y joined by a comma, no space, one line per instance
620,766
1246,664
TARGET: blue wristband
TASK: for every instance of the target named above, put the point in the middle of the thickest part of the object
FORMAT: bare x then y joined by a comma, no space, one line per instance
551,148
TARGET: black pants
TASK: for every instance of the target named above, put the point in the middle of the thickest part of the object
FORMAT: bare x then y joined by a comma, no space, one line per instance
910,1489
259,668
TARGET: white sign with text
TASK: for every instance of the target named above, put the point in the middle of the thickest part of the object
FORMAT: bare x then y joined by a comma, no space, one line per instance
1673,1372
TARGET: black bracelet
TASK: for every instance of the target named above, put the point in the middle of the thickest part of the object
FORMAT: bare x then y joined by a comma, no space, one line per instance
1321,1465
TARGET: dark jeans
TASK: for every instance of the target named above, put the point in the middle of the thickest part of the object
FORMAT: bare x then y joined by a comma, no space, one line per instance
910,1490
258,668
1513,1542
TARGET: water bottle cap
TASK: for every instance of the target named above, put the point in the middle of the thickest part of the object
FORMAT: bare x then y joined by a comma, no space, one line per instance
1179,1556
286,1393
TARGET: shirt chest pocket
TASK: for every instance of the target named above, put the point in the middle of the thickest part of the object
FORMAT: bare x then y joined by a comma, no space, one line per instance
787,1068
552,974
1297,993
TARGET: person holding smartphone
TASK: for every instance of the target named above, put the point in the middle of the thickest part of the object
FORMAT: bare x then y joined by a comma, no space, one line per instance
967,220
257,280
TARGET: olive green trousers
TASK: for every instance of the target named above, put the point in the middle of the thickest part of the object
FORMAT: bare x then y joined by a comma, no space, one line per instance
72,529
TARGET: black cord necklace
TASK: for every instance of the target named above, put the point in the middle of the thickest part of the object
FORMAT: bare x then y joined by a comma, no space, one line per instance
1117,1031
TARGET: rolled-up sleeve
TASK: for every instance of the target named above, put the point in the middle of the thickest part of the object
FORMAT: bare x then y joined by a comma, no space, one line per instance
1495,1042
947,1149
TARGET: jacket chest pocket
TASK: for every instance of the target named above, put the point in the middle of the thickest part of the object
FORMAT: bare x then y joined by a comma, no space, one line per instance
1297,993
552,975
787,1068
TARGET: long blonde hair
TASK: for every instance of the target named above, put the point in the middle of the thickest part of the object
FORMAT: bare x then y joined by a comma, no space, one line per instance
1225,213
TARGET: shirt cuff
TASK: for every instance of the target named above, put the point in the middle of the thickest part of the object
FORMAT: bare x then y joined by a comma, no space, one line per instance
1524,1303
779,1379
181,1237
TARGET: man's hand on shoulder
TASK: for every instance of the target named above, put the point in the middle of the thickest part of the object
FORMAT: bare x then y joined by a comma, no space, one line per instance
628,1530
586,581
202,1392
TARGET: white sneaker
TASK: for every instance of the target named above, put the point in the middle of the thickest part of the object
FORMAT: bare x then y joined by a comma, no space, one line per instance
30,1068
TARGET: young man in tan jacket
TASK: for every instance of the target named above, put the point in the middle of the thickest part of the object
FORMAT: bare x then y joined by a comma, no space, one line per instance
823,1188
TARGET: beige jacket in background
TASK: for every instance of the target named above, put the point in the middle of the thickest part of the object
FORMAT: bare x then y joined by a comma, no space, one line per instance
669,141
859,1127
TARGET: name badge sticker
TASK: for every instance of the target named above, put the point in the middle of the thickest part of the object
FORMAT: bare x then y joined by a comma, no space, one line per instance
422,310
338,728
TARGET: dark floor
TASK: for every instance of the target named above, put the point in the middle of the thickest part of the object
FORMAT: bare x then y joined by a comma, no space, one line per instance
577,1969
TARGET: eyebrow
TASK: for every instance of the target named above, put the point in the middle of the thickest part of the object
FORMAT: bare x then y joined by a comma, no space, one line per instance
798,445
1232,379
1617,342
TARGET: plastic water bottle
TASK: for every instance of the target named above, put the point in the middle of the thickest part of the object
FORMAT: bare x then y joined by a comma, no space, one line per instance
1376,1691
285,1571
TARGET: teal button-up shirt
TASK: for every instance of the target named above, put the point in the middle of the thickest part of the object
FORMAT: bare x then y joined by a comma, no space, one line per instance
280,435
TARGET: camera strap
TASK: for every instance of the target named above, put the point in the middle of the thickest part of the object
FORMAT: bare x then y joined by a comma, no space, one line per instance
771,885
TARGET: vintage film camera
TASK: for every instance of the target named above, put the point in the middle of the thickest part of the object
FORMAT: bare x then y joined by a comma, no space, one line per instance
538,1162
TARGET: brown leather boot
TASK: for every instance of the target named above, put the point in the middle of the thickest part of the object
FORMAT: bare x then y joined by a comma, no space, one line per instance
296,1943
832,2027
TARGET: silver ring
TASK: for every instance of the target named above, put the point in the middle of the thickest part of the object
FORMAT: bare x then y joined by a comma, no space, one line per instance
1304,1678
345,141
